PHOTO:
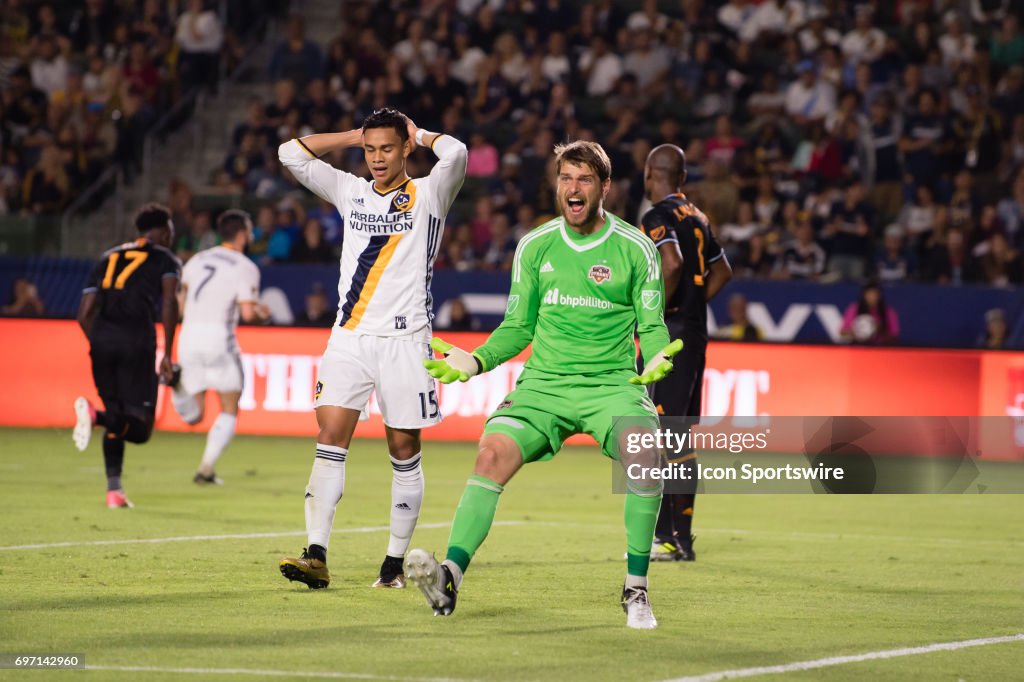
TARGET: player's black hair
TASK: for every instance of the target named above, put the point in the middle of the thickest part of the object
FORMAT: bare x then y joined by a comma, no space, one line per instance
231,222
152,216
584,152
388,118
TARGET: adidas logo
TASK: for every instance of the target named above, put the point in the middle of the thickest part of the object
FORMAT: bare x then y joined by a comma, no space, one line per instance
403,506
547,267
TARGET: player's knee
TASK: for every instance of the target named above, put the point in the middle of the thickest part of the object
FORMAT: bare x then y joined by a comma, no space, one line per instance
139,430
496,462
331,435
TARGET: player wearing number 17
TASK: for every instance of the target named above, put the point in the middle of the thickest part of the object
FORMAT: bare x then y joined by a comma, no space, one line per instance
580,284
393,226
118,313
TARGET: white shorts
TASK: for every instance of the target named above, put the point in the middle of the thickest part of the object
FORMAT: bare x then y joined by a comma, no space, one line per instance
355,365
210,371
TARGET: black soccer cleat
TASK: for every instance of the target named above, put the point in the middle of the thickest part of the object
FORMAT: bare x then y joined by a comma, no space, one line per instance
391,574
685,549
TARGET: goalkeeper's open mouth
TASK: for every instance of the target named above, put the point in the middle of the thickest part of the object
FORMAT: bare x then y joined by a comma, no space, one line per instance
575,206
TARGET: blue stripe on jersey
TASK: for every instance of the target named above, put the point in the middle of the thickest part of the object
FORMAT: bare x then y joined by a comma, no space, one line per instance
433,246
366,260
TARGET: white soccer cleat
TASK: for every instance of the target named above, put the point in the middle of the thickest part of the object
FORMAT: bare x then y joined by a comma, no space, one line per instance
85,419
434,580
637,606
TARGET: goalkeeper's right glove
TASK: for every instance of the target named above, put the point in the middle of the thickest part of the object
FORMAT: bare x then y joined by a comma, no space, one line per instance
457,363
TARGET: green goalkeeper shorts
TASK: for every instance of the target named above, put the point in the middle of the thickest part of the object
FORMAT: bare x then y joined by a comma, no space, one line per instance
542,412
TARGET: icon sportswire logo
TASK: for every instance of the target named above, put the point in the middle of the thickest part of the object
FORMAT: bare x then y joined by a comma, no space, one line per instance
553,297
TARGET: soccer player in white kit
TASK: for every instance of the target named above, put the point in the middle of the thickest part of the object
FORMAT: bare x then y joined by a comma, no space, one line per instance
393,226
217,285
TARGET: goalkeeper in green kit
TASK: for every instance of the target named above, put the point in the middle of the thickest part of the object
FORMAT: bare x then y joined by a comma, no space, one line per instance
581,284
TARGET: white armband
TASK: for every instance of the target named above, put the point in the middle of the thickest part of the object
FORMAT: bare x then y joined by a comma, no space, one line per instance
420,133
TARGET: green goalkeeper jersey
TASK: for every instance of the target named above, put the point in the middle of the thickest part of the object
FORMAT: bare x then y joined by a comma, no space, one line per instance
578,298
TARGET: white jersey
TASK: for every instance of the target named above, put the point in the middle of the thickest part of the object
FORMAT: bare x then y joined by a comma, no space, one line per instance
218,279
391,238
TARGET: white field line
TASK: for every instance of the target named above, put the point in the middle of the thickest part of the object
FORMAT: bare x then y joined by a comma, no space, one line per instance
332,675
558,524
238,536
842,660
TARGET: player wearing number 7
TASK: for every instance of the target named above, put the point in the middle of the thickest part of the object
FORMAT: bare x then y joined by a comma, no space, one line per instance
580,284
393,228
218,286
118,315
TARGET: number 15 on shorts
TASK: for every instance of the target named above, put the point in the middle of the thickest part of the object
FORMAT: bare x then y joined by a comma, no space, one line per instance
429,408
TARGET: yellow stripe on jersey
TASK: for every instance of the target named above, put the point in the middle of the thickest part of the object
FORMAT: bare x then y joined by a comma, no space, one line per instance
372,280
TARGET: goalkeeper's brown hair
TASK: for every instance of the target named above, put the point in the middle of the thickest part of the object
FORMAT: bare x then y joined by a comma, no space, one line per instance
584,152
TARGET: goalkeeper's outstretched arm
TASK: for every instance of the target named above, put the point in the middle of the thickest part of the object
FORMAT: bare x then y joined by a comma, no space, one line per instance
511,337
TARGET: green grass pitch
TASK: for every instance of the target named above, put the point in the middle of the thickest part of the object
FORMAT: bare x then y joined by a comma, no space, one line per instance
779,579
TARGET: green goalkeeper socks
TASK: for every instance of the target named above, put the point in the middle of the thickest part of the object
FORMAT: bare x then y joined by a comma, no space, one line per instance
641,516
473,519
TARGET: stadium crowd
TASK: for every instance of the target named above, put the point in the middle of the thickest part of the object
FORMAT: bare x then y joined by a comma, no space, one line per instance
82,82
825,140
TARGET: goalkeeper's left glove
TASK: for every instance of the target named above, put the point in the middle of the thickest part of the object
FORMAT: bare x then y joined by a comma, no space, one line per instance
457,363
660,365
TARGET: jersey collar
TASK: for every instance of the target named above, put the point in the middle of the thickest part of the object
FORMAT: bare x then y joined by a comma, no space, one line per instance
586,242
398,185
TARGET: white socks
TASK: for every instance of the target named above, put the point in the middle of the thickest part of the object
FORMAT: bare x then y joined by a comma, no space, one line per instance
326,486
406,499
186,405
221,433
636,580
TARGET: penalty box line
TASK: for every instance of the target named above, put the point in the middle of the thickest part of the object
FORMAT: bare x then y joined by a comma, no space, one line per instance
842,660
238,536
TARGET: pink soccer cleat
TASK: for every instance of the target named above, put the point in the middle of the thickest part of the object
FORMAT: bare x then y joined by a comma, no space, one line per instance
117,500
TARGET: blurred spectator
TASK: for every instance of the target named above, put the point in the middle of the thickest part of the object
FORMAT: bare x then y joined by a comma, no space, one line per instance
600,68
755,260
1011,209
459,317
416,52
870,320
1001,264
735,235
49,68
199,36
994,336
809,98
501,245
312,247
327,215
483,157
296,58
285,233
803,258
918,217
893,263
317,311
849,233
949,261
1008,43
739,328
25,301
47,187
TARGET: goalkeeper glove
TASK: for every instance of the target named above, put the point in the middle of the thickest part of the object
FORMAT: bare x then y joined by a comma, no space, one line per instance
660,365
457,363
